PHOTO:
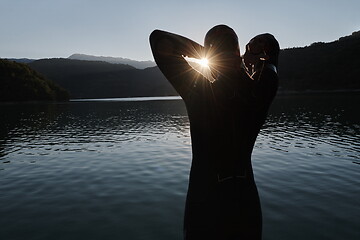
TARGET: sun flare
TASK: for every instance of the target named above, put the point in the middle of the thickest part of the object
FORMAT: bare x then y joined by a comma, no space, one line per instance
203,62
202,66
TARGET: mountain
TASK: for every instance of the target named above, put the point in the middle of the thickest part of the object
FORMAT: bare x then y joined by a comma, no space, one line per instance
118,60
322,66
319,67
21,60
91,79
68,67
21,83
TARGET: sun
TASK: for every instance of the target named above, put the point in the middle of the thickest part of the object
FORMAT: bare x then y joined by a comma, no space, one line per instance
202,66
203,62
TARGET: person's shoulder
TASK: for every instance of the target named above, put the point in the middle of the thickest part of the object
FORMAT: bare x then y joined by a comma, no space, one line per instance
271,67
269,74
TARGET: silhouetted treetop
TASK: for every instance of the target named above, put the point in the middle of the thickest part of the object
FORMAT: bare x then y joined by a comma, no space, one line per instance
19,82
322,66
318,67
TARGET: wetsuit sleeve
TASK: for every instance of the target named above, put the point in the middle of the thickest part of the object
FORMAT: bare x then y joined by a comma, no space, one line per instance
169,50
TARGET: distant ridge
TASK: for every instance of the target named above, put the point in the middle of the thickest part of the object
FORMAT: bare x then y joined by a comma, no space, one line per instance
115,60
99,79
21,60
320,67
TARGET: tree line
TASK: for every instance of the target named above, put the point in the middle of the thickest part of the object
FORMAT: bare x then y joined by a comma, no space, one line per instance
322,66
318,67
19,82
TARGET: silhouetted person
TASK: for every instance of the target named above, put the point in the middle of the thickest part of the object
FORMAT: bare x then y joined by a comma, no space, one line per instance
225,118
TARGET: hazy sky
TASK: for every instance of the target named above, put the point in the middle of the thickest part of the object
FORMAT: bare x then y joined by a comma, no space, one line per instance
59,28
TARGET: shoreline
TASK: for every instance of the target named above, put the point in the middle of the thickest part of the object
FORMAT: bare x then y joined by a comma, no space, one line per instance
177,97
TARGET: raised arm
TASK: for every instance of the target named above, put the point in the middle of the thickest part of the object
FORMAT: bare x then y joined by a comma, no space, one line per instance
169,50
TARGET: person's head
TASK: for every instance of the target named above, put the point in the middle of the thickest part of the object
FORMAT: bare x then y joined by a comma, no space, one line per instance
221,45
263,47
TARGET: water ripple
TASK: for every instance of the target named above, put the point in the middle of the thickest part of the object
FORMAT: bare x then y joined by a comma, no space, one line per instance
125,164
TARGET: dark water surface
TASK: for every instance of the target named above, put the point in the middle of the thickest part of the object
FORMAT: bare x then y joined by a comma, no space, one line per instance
119,169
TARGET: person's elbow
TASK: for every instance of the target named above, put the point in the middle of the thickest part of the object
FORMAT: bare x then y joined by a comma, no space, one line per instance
161,44
155,36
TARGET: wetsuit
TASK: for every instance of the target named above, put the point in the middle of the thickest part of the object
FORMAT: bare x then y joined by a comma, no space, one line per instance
225,118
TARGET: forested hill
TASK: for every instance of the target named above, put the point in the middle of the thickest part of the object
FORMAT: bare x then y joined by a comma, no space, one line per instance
118,60
319,67
96,79
322,66
18,82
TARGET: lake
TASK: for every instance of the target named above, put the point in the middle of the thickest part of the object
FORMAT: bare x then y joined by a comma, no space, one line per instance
118,169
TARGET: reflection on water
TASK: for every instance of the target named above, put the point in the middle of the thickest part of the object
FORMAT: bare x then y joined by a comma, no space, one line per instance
77,127
118,169
305,168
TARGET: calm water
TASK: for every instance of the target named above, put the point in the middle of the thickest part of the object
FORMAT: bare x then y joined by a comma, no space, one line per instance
119,169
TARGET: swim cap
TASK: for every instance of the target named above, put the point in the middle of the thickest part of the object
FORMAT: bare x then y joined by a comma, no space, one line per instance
222,38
